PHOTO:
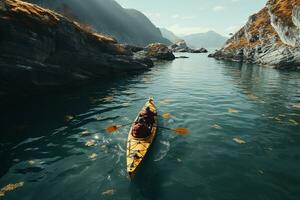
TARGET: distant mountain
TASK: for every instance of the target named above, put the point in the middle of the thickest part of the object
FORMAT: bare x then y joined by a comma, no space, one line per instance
169,35
209,39
108,17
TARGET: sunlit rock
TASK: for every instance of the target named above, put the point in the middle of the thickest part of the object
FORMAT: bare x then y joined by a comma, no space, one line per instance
270,37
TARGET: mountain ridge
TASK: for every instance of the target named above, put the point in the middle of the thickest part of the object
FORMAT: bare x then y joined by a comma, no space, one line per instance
127,26
209,39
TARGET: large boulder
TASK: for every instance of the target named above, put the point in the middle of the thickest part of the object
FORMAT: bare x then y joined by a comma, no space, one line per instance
198,50
132,48
181,47
43,50
159,51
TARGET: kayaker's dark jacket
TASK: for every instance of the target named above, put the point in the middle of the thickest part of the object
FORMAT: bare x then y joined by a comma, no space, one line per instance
148,115
140,130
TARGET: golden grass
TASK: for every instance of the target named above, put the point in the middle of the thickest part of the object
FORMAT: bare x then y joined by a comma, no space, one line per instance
30,15
261,21
33,11
283,9
45,16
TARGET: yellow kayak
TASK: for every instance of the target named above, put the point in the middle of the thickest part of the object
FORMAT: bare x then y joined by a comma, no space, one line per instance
137,148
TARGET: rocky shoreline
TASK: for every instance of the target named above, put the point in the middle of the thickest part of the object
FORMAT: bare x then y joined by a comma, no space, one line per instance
41,49
269,38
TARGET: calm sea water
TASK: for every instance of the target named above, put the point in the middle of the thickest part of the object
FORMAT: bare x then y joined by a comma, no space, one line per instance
58,147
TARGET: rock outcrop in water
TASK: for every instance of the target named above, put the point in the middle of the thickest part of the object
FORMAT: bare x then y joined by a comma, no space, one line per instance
270,37
41,49
155,51
181,47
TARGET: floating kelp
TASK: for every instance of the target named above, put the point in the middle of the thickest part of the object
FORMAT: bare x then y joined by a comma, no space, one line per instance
93,156
146,79
85,132
166,115
108,98
216,126
126,104
10,187
239,141
260,172
90,143
167,101
293,122
68,118
98,117
297,105
252,97
109,192
128,92
278,119
269,149
31,162
231,110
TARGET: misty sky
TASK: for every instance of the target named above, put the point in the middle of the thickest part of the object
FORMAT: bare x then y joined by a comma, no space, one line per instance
192,16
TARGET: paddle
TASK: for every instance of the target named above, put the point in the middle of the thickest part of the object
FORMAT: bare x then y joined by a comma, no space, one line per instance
114,128
179,131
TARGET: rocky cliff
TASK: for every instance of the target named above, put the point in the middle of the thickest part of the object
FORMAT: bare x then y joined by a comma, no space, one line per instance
40,49
270,37
108,17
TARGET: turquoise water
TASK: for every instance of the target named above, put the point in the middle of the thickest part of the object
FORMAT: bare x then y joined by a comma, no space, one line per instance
58,147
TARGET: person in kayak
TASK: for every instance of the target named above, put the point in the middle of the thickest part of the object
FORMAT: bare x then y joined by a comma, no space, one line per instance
148,116
140,129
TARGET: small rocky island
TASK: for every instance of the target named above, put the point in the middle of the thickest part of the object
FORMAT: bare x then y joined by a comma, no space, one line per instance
181,47
271,37
41,50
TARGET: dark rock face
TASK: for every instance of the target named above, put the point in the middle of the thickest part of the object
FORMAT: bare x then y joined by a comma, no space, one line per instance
179,57
159,51
270,37
41,49
199,50
181,47
132,48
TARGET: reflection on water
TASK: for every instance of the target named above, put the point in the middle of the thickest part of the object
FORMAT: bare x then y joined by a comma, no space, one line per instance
243,141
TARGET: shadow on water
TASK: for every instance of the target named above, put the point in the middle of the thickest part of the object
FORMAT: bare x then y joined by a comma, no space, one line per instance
37,116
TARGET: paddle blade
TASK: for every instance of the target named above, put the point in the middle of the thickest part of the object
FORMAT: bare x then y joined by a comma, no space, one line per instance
181,131
112,128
